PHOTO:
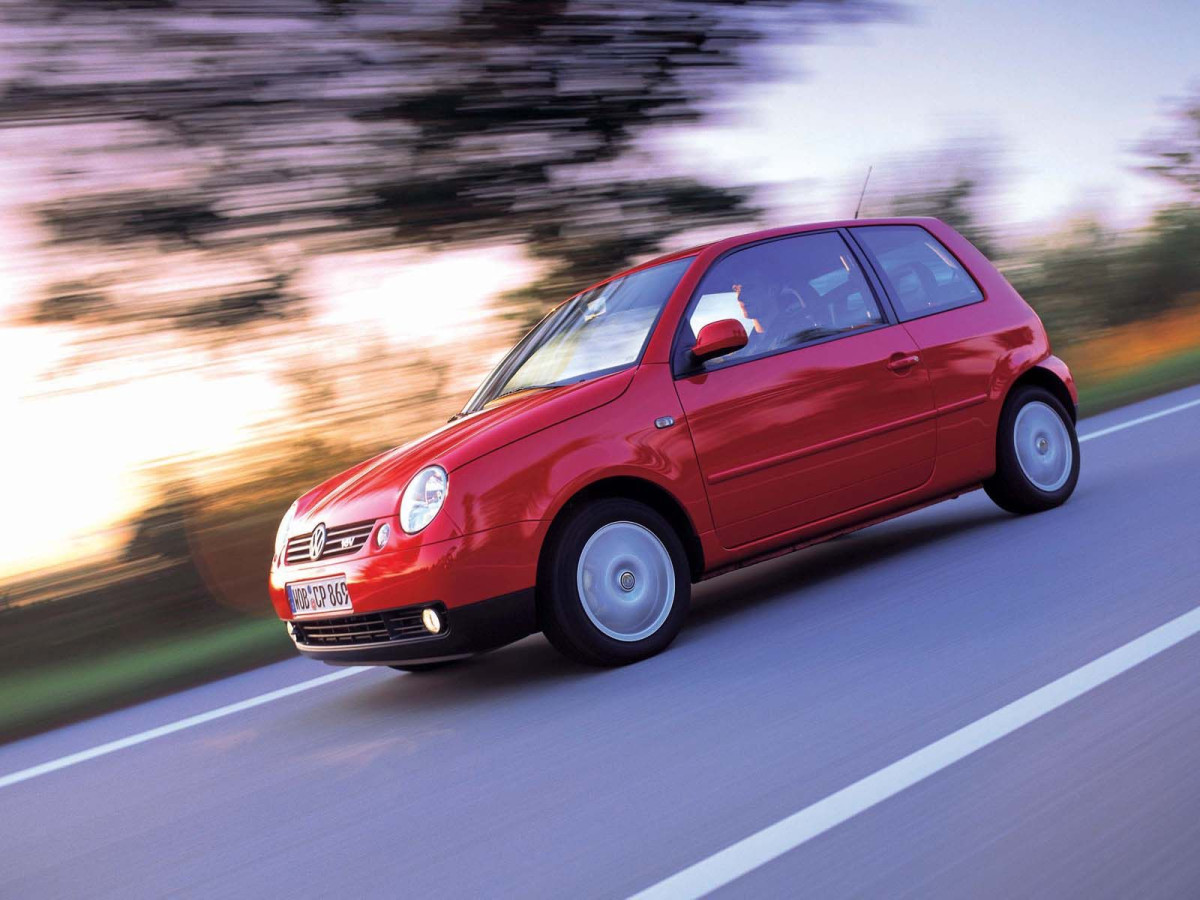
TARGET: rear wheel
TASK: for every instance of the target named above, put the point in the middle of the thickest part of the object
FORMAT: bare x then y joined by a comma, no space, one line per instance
615,586
1037,453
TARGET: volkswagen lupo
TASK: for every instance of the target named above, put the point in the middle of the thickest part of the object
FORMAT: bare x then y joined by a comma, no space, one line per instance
703,411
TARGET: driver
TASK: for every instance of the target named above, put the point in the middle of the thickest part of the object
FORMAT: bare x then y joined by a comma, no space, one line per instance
776,312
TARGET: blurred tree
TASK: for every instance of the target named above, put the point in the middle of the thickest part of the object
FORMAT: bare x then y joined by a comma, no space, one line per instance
954,183
1174,154
160,531
1091,276
338,124
67,302
950,202
1060,274
1164,264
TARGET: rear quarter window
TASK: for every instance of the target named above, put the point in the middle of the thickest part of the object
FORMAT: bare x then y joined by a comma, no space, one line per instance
922,276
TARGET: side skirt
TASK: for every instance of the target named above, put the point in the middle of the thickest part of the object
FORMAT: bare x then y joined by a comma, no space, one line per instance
792,548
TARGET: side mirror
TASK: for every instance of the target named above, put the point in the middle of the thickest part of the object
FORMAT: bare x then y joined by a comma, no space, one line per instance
718,338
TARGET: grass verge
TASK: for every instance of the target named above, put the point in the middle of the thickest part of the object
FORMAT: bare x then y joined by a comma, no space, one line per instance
57,693
1102,394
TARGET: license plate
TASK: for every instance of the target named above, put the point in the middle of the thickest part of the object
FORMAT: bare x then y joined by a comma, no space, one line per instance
323,595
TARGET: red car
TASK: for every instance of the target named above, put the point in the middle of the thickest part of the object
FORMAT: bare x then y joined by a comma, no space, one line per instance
698,413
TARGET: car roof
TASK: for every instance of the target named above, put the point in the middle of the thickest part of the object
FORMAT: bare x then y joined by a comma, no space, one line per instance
728,243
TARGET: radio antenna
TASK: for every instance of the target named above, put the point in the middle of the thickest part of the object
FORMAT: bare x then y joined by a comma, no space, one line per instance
863,192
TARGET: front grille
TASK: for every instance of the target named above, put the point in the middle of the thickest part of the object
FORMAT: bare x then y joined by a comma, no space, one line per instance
368,628
340,541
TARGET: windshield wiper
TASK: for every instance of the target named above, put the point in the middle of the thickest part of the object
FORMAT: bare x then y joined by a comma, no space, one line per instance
521,390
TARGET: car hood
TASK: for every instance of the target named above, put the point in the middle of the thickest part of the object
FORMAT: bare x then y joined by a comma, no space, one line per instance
371,490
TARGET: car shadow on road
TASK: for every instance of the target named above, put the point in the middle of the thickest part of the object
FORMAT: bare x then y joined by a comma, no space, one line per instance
811,567
521,668
533,664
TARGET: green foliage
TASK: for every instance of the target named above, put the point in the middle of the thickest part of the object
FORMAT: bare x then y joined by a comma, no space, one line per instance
1166,262
1092,277
1088,276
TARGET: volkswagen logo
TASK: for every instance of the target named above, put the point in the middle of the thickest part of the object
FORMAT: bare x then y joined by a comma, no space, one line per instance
316,544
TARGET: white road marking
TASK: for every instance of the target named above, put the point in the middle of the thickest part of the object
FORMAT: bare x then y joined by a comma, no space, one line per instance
192,721
787,834
1139,420
112,746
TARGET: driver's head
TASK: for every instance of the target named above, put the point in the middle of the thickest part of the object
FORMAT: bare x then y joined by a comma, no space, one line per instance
757,298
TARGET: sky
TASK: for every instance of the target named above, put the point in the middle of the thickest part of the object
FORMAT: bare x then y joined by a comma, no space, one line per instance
1064,90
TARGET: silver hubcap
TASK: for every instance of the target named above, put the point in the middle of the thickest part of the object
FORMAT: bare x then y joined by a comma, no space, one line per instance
1043,446
626,581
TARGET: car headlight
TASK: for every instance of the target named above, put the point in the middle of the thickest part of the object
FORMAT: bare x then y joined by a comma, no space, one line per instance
423,498
285,523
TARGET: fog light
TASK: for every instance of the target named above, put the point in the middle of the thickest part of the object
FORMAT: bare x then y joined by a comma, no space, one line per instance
382,535
431,620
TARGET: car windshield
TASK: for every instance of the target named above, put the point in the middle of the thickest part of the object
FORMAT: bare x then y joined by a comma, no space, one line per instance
594,333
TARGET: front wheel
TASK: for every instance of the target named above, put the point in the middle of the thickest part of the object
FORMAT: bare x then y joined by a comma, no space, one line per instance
615,586
1037,453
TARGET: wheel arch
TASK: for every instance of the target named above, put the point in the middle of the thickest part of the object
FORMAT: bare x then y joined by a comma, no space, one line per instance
1043,377
630,487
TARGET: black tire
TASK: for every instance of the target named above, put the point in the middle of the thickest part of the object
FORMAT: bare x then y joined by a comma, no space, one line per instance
1010,488
561,611
425,667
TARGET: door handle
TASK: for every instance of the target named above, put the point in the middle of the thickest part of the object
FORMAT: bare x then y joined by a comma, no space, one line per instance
902,363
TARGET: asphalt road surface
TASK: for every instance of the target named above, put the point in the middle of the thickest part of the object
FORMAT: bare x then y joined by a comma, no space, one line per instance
796,688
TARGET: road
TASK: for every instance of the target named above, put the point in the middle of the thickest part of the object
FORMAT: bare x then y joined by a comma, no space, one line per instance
520,774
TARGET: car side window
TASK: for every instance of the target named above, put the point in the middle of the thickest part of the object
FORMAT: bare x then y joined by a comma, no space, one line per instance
923,276
786,293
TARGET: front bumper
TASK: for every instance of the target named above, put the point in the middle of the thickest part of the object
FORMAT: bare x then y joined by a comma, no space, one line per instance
388,638
455,572
480,583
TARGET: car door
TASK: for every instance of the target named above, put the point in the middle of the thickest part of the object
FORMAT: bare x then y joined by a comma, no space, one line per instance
828,408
